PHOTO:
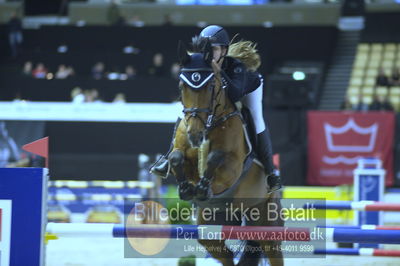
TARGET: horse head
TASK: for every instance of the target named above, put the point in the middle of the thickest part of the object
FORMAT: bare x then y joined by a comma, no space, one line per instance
201,92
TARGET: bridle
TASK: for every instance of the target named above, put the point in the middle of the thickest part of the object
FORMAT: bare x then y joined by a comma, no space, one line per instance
212,120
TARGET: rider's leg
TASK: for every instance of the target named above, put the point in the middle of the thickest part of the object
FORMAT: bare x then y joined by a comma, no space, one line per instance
160,167
264,151
253,101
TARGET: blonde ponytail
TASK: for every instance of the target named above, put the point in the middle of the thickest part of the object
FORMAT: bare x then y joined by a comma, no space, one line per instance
246,52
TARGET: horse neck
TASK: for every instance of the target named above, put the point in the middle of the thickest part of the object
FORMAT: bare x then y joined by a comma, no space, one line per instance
225,104
226,108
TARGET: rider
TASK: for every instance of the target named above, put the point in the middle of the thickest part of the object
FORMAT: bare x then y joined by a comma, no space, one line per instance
242,84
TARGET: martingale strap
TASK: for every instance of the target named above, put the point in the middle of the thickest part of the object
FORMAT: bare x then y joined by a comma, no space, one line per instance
194,111
221,120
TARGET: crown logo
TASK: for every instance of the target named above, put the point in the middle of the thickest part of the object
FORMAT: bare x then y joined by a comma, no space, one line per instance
369,132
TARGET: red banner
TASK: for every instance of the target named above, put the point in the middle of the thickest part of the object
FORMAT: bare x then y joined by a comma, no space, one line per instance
336,140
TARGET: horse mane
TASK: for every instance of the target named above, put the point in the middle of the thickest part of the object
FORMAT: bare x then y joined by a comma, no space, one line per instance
246,52
198,44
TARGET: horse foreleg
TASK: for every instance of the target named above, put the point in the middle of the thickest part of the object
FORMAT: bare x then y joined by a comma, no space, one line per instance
219,251
203,188
186,189
251,254
272,251
272,248
216,248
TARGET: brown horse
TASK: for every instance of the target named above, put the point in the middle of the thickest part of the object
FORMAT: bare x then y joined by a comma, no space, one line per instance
209,155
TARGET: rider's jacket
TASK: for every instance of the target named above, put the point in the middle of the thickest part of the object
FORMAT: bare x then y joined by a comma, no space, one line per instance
238,80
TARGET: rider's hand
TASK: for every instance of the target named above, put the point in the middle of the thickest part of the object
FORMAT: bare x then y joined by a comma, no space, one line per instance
215,66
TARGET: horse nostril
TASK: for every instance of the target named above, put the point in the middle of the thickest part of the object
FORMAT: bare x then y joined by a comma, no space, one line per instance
201,138
196,139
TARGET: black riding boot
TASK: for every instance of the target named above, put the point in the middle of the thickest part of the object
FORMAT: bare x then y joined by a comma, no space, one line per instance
264,152
160,167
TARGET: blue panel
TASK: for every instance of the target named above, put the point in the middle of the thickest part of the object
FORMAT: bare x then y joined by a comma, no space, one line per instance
24,186
368,190
172,232
341,226
119,231
366,236
393,190
340,205
83,196
340,251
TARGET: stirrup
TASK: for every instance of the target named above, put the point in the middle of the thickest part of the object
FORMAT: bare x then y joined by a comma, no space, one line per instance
276,186
161,168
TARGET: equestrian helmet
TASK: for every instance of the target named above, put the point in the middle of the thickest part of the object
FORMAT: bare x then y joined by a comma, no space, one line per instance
216,34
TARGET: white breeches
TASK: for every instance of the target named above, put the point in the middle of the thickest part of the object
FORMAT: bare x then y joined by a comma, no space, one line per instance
253,101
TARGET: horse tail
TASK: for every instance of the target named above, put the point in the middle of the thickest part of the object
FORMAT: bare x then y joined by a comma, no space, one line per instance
247,53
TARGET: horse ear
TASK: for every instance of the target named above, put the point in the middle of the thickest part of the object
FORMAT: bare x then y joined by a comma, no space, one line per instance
183,56
207,52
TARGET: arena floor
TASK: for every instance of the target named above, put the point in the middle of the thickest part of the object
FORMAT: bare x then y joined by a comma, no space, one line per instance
110,251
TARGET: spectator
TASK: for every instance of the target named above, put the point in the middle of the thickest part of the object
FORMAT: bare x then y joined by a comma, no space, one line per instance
135,21
131,49
14,34
119,98
376,104
346,104
63,48
63,72
130,72
92,96
40,71
77,95
17,97
8,148
96,96
88,96
113,13
98,70
361,106
395,78
114,74
71,71
175,71
381,103
382,79
157,69
27,69
387,106
167,21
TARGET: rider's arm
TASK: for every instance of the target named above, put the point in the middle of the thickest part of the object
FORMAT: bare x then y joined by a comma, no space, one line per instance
254,81
235,79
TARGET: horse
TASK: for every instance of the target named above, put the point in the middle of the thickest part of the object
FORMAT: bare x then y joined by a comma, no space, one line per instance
210,158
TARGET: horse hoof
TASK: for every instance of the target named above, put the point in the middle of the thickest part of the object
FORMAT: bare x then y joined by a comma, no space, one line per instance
186,191
250,256
203,190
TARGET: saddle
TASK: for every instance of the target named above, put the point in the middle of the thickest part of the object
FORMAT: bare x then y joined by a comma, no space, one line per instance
249,129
